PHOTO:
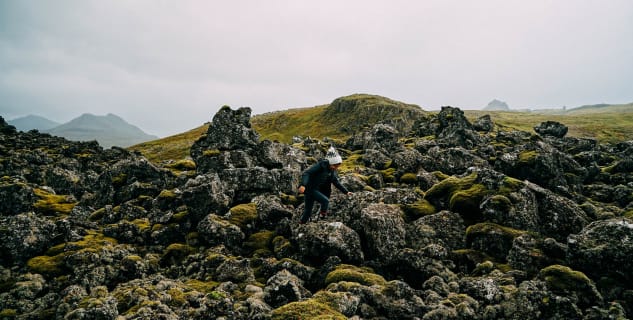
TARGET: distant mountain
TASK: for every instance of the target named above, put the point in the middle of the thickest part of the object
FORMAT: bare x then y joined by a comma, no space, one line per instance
497,105
602,108
109,130
31,122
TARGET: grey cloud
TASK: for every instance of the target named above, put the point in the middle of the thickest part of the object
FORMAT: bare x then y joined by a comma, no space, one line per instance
168,66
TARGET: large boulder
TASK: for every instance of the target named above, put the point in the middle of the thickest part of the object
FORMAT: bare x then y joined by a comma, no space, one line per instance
319,240
383,231
551,128
604,249
23,236
206,194
230,130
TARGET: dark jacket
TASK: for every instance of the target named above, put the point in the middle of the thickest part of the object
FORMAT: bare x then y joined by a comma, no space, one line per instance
320,177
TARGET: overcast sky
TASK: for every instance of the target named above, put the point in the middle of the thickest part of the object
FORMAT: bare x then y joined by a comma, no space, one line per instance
168,66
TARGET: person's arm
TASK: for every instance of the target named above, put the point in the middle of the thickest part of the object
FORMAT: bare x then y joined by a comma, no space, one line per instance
338,184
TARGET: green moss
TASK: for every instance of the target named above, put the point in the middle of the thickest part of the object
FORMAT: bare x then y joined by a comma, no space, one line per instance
8,313
409,178
192,237
492,228
211,153
350,273
629,214
417,209
259,240
179,216
142,224
289,199
528,156
368,188
243,214
167,194
510,185
561,278
119,180
183,165
97,215
281,246
176,252
49,203
388,174
449,185
46,265
468,200
52,264
308,309
352,163
216,295
440,175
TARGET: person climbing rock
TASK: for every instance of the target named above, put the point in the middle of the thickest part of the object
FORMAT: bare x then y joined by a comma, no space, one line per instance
316,184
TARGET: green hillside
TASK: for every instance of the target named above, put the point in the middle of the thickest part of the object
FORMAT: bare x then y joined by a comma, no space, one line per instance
346,115
606,123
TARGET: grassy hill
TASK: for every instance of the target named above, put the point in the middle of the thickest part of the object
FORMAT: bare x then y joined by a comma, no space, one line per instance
346,115
606,123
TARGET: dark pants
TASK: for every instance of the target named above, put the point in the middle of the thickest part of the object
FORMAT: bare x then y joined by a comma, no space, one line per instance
310,197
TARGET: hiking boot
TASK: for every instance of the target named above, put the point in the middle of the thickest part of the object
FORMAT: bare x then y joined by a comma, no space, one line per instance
302,222
323,214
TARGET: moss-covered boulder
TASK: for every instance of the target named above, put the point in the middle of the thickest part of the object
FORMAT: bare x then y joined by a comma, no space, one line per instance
495,240
564,281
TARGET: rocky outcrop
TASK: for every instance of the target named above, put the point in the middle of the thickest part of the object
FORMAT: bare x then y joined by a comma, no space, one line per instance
448,220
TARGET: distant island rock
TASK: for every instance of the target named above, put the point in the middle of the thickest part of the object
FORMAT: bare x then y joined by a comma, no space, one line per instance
497,105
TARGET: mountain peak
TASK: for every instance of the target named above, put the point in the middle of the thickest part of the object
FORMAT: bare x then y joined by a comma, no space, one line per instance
109,130
31,122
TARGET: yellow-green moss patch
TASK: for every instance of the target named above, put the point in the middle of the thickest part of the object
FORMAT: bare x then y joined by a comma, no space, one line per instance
46,265
562,278
468,200
183,165
8,313
308,309
259,240
350,273
417,209
492,228
49,203
211,153
119,180
449,185
528,157
409,178
510,185
243,214
166,194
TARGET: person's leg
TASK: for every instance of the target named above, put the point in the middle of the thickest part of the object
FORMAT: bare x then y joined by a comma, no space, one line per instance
323,200
307,210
